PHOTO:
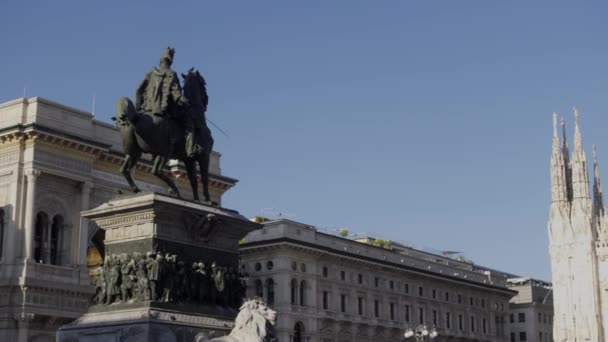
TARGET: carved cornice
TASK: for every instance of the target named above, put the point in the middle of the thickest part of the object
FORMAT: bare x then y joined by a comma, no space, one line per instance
125,220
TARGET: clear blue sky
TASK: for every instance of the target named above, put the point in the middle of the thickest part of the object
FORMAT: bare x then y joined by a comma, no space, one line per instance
424,121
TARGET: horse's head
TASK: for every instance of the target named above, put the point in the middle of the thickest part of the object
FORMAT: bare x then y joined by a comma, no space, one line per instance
195,89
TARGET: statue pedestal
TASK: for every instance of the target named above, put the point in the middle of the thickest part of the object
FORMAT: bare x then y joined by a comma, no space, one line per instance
155,246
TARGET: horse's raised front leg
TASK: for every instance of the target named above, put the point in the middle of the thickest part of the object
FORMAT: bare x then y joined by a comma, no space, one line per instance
191,170
157,170
127,168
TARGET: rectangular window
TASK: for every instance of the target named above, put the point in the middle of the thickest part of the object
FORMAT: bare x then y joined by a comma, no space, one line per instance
391,285
447,296
325,300
407,313
540,336
540,317
392,308
420,316
435,317
448,320
406,288
483,303
360,305
434,294
343,303
360,278
460,324
522,336
342,275
471,301
376,308
376,281
511,318
512,337
420,291
459,299
324,271
472,324
484,326
521,317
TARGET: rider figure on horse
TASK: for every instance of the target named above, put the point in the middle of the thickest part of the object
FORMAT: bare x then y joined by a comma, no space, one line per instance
161,94
168,124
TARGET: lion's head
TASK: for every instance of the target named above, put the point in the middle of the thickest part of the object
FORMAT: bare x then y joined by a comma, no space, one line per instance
254,323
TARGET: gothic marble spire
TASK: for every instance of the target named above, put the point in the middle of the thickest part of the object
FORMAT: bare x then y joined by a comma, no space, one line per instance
580,178
559,186
598,194
566,157
598,199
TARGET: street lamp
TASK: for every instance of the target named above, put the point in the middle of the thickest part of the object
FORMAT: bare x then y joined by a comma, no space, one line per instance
421,333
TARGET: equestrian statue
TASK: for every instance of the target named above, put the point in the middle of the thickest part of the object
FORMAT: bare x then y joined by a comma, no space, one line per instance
168,124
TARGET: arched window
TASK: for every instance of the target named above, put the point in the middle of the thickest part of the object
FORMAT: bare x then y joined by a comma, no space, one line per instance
302,293
1,230
54,244
294,292
270,291
298,331
42,224
47,238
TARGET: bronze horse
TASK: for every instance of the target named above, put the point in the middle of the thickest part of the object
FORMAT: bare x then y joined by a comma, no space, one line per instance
165,138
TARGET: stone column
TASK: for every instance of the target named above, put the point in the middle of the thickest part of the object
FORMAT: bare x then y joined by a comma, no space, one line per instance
23,319
83,234
30,215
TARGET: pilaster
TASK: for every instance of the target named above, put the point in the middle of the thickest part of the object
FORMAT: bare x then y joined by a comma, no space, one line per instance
30,219
83,234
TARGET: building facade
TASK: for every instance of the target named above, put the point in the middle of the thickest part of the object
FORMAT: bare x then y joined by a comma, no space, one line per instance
531,310
578,235
327,288
56,161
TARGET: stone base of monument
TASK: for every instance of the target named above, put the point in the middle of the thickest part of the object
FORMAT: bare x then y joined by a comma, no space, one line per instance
144,325
170,272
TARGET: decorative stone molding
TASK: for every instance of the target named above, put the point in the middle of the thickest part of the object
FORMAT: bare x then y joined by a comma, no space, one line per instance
63,162
31,173
9,157
118,222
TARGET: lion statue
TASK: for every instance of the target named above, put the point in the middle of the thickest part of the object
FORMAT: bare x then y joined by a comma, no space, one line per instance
254,323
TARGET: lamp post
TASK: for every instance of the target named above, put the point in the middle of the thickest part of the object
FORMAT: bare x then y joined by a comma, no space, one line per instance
421,333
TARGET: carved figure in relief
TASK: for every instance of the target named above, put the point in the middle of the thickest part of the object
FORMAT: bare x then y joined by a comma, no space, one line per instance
168,278
194,284
113,281
182,281
160,276
204,281
143,285
229,289
242,289
153,267
101,285
217,291
127,275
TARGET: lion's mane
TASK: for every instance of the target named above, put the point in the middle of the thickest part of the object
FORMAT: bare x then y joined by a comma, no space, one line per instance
254,323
